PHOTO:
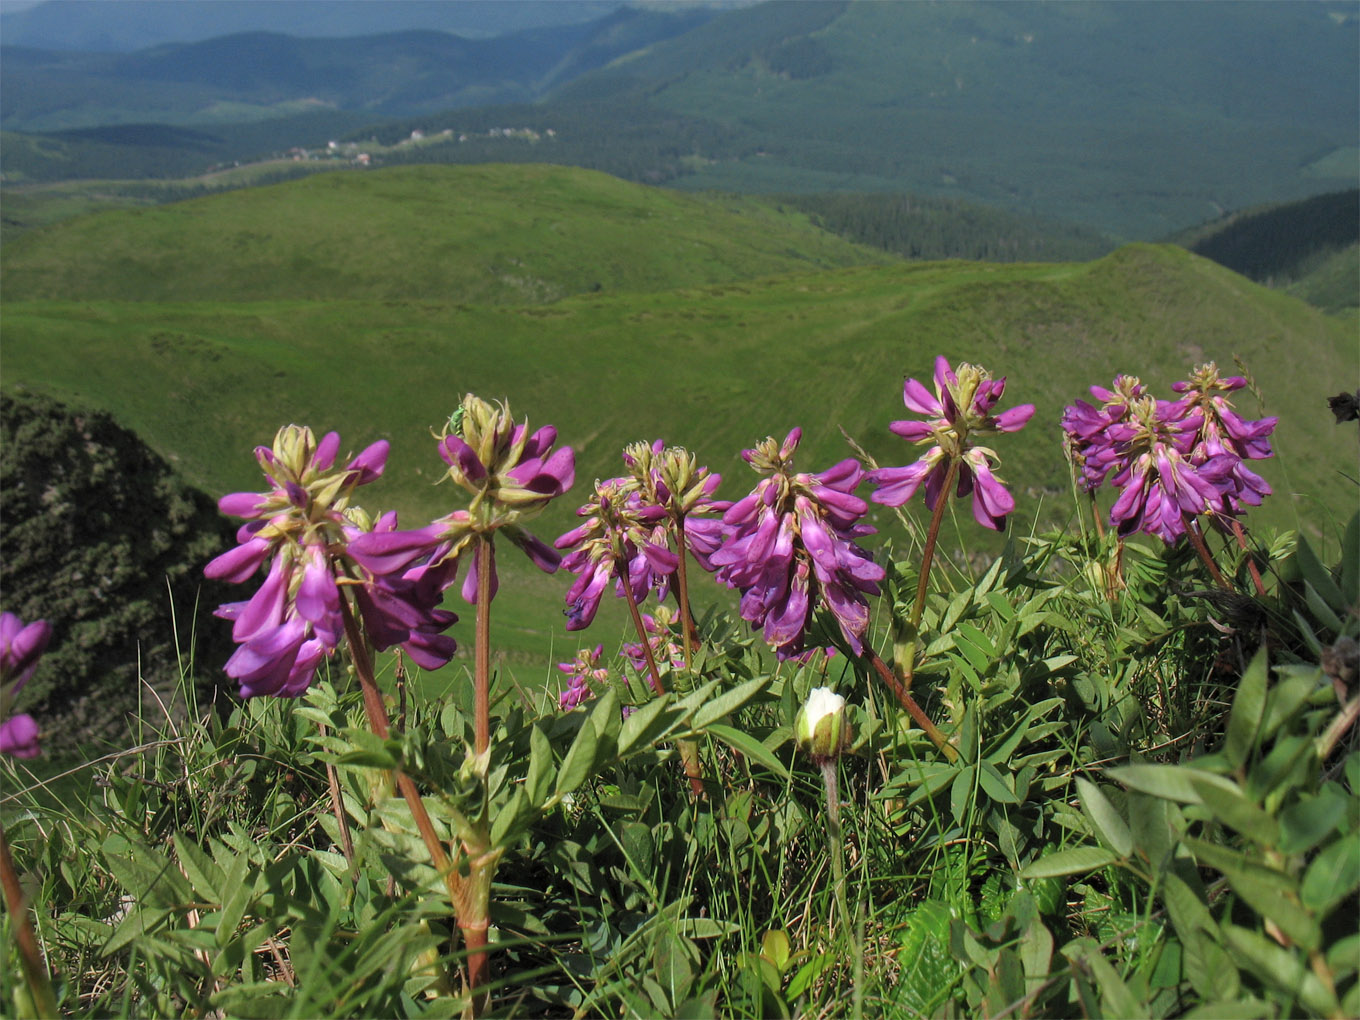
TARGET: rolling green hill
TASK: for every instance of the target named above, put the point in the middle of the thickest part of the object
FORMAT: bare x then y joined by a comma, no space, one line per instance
1307,246
204,343
495,234
713,368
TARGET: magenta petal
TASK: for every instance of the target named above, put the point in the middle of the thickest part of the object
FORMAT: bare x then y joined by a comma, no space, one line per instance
911,430
921,400
1014,419
390,551
324,455
19,737
265,608
242,504
317,596
544,556
370,463
457,453
238,565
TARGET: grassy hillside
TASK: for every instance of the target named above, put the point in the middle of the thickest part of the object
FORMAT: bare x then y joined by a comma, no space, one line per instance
486,234
713,368
1302,245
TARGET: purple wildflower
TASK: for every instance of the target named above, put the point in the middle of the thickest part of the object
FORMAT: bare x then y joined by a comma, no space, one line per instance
665,650
1087,437
511,474
582,670
1225,438
20,649
1160,487
302,528
790,547
959,410
623,537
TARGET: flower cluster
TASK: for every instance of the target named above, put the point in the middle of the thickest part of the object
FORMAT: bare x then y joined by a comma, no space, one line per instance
20,649
957,413
623,540
789,546
1170,460
303,528
660,638
511,476
632,522
582,670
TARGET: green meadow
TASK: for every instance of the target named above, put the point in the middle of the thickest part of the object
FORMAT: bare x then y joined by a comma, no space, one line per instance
370,303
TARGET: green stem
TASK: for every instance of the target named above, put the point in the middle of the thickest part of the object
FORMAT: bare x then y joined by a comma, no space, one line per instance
918,607
835,842
35,970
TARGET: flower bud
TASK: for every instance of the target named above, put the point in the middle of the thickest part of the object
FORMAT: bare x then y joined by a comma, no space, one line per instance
821,728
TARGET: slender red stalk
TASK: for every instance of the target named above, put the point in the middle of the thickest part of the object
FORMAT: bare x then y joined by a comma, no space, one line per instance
905,699
653,671
688,632
918,607
1251,562
35,969
1197,540
378,723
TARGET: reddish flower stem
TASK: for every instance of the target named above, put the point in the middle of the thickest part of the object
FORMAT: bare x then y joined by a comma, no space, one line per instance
689,750
927,557
1197,540
913,709
1251,562
688,632
653,671
378,723
35,969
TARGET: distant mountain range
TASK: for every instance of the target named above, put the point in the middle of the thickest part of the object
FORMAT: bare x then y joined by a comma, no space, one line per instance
259,75
1134,119
122,26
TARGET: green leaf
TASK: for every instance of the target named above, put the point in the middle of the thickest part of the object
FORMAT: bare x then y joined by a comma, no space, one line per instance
579,764
1322,612
1108,826
1350,563
928,971
139,922
538,782
1310,820
1036,954
1333,875
205,876
740,740
1284,969
1172,782
728,702
237,896
1233,809
1318,577
642,723
1249,704
1116,998
995,785
1078,860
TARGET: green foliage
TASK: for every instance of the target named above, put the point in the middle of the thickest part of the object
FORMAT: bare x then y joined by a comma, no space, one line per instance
918,227
106,543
